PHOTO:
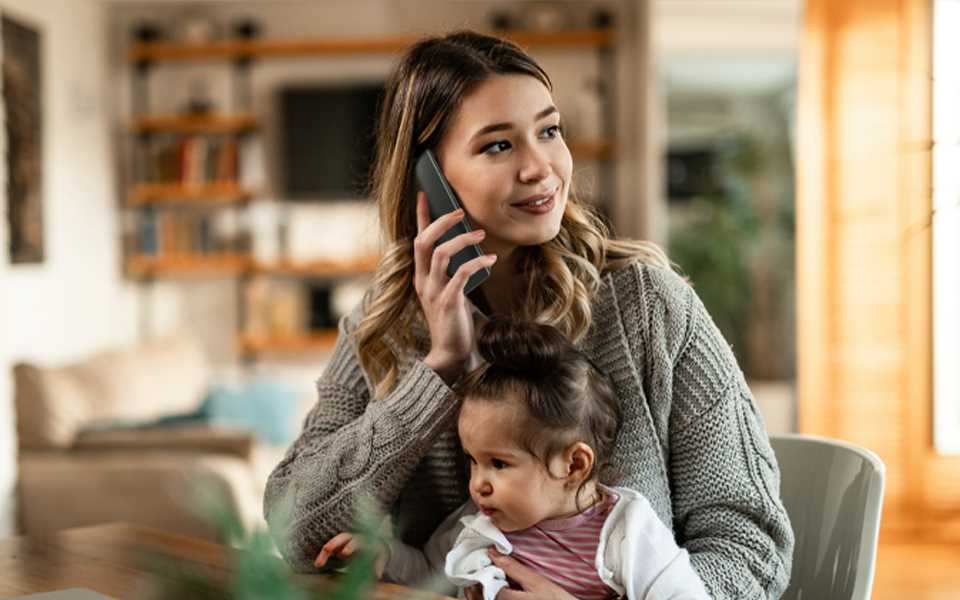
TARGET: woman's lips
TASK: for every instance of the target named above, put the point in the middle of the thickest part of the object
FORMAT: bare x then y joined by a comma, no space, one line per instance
540,207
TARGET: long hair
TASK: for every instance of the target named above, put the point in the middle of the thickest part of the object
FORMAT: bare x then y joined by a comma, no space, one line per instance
561,395
421,97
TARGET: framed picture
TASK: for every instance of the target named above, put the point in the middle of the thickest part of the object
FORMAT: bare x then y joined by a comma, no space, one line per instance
23,119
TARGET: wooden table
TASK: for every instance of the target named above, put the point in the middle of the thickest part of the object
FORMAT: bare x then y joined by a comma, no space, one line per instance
110,559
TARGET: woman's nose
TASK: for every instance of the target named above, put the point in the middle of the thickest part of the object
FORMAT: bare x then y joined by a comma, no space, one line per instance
535,166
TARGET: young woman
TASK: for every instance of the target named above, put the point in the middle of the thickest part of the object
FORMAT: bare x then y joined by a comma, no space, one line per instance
384,425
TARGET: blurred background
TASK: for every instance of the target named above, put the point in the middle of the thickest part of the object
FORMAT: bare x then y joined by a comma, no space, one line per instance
187,219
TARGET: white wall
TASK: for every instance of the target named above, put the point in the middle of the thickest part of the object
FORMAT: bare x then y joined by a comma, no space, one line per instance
75,302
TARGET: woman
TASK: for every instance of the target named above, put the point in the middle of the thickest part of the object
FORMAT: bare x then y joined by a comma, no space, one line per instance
692,441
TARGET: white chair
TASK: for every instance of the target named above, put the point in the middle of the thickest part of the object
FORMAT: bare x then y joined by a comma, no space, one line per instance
833,492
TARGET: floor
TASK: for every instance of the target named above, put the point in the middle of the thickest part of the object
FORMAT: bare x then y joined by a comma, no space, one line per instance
917,572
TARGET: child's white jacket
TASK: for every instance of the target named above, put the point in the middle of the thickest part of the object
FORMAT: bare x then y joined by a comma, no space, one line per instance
636,556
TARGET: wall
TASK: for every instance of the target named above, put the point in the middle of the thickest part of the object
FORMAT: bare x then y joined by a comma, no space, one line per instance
75,302
864,250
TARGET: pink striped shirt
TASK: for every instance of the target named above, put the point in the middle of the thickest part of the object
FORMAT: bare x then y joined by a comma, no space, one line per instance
565,550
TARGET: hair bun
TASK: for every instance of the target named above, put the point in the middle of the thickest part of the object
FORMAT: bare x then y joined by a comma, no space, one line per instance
529,348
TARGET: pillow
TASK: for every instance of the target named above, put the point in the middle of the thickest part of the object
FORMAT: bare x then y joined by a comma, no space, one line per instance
264,406
140,383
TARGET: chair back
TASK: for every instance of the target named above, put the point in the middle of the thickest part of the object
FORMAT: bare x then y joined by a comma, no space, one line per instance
833,492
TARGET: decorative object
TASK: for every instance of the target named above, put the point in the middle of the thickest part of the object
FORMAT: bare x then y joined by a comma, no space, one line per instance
602,18
247,29
546,16
501,20
195,27
147,32
199,101
23,101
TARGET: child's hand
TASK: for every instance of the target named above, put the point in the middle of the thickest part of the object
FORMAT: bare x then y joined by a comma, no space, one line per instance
343,545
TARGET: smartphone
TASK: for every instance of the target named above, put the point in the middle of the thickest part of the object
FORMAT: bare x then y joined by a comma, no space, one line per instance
442,200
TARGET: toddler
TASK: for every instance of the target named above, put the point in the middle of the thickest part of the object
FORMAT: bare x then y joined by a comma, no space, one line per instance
538,425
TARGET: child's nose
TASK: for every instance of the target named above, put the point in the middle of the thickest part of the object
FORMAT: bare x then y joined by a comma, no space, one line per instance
480,486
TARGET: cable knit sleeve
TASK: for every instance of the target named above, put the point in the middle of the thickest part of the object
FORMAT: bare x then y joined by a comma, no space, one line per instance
351,446
724,476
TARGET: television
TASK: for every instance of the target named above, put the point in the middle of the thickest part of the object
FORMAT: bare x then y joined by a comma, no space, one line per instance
326,139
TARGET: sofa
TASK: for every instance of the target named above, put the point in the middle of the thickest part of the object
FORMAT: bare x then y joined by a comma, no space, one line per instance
99,441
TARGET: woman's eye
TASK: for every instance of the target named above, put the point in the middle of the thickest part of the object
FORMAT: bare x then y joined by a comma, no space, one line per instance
498,464
553,131
500,146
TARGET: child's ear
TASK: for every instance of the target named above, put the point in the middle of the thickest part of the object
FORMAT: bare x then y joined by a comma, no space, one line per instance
579,458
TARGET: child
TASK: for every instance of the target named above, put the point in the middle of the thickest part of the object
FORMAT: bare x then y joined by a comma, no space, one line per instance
538,425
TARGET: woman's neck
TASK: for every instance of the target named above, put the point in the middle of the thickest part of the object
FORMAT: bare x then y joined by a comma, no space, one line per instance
504,289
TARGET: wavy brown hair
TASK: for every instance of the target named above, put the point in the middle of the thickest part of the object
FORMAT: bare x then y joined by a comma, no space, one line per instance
422,96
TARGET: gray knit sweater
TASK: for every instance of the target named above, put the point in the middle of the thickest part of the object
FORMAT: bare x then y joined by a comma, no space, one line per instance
692,441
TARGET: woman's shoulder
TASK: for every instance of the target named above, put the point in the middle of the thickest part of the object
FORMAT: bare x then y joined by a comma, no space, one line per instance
653,302
636,279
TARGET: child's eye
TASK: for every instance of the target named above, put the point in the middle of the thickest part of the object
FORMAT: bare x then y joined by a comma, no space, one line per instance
499,145
470,458
498,464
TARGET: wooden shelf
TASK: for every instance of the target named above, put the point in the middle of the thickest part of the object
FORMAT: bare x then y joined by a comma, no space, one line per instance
305,47
226,263
196,123
217,193
317,341
319,268
593,149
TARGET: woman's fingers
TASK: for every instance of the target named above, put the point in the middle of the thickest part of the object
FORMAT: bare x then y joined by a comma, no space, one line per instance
529,580
423,211
423,246
348,549
445,251
422,251
335,545
433,232
459,281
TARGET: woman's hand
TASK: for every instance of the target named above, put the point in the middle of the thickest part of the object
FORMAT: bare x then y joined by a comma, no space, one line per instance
444,303
344,545
534,586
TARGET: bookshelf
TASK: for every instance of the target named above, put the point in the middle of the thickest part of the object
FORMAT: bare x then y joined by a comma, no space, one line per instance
195,123
308,47
189,170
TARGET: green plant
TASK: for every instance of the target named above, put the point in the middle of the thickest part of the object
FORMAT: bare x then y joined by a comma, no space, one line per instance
714,241
255,572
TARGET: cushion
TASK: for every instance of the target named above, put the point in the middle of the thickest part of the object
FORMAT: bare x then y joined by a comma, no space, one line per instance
264,406
144,382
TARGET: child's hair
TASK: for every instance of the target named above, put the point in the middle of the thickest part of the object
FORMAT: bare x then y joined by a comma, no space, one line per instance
564,397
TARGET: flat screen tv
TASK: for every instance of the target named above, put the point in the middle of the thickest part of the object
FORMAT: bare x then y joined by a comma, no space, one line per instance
327,140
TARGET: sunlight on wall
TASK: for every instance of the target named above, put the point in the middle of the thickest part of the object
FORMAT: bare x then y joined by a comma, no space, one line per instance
946,226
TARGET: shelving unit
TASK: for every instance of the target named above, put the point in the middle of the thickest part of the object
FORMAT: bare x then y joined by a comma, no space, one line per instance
148,199
293,48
